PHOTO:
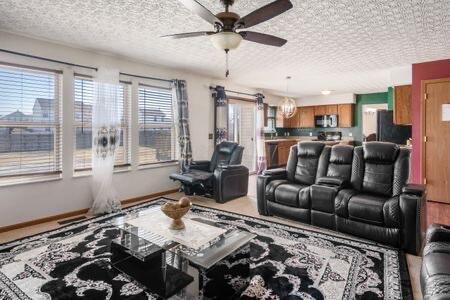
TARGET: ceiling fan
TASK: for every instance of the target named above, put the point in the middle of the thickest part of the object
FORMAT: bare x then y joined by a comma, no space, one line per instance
227,34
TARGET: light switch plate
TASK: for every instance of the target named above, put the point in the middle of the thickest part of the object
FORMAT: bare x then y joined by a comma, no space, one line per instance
446,112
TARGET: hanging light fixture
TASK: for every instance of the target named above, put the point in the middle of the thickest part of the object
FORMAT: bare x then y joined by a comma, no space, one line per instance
288,106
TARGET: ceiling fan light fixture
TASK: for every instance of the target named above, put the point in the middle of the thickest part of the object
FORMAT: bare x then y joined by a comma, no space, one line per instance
326,92
226,40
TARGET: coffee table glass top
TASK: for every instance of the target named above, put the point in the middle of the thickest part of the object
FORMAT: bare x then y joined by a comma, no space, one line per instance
202,242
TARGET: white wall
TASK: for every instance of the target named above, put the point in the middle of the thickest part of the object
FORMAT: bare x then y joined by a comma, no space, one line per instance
326,99
26,202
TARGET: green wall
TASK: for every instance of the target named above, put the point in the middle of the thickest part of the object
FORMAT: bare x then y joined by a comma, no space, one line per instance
390,98
374,98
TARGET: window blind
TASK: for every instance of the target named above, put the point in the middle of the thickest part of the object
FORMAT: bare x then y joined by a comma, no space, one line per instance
83,102
30,122
156,125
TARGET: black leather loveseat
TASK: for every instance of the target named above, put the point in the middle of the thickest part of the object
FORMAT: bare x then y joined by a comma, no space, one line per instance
357,190
435,272
222,178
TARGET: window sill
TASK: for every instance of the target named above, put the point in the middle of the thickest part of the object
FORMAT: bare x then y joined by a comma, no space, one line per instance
158,165
87,173
29,179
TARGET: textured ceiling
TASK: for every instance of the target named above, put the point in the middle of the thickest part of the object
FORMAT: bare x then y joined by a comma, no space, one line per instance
341,45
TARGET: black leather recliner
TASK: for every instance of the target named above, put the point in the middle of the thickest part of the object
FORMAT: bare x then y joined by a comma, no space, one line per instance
361,191
222,178
435,272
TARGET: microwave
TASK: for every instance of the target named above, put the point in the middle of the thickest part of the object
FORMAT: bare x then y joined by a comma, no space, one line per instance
326,121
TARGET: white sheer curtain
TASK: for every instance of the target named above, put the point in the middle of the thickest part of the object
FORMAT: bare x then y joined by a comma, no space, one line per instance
105,139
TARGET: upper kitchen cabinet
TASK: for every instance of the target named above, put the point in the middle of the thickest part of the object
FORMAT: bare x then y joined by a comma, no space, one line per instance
320,110
402,105
331,109
345,115
306,115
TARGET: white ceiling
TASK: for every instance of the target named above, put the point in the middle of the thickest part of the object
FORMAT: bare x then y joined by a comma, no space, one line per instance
340,45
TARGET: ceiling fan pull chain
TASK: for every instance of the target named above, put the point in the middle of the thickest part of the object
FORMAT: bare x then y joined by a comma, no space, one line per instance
227,63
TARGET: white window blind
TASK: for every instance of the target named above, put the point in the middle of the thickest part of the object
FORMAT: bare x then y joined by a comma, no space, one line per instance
156,125
30,122
84,90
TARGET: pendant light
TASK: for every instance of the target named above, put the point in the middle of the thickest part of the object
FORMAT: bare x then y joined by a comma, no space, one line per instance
288,106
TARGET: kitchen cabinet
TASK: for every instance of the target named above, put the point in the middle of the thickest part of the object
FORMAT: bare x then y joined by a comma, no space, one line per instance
402,105
283,151
320,110
331,109
294,121
306,114
345,115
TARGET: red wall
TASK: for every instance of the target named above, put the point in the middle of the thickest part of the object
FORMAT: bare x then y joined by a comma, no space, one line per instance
423,71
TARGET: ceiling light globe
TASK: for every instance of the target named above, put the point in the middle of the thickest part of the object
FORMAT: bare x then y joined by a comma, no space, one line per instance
288,108
226,40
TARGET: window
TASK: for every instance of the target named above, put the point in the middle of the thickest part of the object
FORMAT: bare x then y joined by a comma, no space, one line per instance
83,101
30,123
156,126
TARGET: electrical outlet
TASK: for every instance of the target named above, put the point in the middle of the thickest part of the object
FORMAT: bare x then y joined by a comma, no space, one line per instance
210,136
350,134
310,134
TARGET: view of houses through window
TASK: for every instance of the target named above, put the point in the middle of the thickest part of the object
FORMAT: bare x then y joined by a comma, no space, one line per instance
30,122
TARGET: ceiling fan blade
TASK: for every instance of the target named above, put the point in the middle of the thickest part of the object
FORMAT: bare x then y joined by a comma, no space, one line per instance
188,34
202,11
262,38
264,13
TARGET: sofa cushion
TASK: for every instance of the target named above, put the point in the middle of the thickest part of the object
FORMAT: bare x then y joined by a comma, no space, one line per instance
367,208
379,152
340,163
436,264
288,194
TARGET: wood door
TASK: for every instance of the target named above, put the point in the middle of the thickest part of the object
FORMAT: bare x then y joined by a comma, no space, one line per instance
320,110
345,115
306,117
331,109
436,156
402,104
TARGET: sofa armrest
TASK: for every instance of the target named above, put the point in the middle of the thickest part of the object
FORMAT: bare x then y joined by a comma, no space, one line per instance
200,165
333,181
275,172
438,233
413,208
414,189
261,183
231,182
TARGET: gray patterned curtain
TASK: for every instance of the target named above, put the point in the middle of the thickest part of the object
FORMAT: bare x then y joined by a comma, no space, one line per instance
182,118
261,164
221,118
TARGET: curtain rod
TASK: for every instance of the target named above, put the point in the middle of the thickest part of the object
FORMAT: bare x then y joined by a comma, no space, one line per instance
235,92
77,65
48,59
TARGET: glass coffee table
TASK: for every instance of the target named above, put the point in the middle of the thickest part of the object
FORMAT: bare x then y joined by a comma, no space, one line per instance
179,263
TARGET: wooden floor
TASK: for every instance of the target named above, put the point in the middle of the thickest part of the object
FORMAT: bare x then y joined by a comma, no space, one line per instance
247,205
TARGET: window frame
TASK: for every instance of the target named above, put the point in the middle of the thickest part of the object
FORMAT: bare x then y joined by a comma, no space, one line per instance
125,126
56,125
172,125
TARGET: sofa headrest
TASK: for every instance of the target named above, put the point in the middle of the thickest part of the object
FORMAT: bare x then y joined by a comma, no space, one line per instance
310,149
341,154
226,147
380,152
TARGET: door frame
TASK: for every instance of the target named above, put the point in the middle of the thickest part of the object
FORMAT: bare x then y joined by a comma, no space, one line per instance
423,125
243,99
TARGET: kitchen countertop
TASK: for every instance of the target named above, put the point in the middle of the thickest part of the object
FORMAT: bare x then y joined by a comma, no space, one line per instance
302,138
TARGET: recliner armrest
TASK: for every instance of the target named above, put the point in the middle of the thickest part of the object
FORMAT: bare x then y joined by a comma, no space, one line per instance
438,233
231,167
414,189
333,181
200,165
275,172
413,208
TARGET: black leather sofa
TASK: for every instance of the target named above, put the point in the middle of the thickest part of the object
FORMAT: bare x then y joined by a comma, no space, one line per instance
222,178
435,272
361,190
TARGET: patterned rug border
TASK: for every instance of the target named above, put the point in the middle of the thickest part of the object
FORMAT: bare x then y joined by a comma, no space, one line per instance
404,272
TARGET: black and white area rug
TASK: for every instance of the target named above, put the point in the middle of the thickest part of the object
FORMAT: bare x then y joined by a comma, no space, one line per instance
72,262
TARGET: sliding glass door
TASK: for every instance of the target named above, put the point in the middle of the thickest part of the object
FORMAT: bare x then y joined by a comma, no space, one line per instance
241,129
